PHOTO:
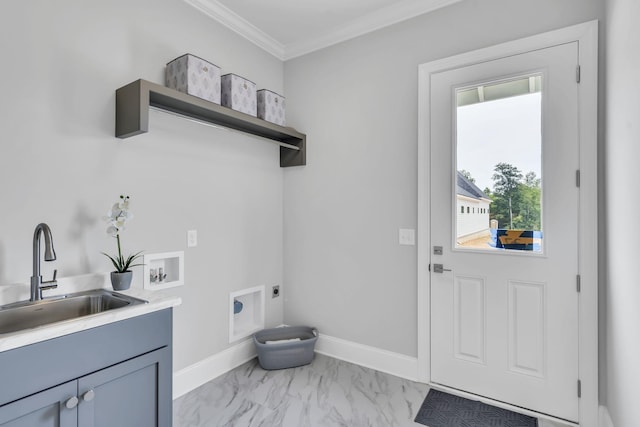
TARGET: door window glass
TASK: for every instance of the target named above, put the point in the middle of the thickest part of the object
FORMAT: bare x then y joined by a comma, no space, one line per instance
499,165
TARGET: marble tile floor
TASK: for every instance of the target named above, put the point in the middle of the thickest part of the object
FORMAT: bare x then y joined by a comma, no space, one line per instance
326,393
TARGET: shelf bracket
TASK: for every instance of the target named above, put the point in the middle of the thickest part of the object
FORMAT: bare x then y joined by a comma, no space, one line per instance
132,110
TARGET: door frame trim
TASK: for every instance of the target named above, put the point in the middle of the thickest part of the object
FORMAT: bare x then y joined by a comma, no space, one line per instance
586,34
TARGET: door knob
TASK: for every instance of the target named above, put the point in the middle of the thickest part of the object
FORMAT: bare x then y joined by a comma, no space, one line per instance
71,403
88,396
439,268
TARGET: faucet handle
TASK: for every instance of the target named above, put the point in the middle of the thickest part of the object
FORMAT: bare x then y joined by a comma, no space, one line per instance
53,283
50,284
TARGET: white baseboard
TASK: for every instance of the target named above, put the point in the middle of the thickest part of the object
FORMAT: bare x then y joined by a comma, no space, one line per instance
381,360
199,373
396,364
605,418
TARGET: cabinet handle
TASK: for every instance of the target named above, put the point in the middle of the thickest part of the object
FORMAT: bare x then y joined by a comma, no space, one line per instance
71,403
88,396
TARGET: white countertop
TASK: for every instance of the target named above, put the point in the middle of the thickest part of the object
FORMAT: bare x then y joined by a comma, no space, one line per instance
156,300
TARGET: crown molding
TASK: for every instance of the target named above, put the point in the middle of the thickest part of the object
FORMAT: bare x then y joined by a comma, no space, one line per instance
365,24
368,23
239,25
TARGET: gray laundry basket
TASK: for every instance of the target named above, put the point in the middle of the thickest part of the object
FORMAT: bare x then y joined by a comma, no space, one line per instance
286,354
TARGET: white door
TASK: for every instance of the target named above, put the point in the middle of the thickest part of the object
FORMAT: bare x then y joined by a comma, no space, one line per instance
504,306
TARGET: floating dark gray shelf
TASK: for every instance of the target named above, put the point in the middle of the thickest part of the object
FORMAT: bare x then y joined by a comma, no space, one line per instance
132,117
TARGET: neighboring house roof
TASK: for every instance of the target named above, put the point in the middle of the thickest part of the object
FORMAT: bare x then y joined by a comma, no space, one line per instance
466,188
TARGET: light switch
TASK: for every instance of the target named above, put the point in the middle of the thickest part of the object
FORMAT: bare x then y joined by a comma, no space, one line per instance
407,236
192,238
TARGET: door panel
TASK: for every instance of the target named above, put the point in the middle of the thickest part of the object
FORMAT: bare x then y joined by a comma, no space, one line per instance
504,322
527,332
44,409
469,318
125,395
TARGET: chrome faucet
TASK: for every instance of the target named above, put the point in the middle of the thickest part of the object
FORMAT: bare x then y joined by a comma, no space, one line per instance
37,285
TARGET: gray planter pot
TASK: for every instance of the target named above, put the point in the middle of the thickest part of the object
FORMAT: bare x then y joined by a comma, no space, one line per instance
121,281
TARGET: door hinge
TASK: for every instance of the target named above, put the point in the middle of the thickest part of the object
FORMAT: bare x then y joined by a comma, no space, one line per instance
578,178
579,388
578,285
577,74
429,267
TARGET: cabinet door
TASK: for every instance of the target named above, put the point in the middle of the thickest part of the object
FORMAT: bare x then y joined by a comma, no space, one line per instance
136,393
45,409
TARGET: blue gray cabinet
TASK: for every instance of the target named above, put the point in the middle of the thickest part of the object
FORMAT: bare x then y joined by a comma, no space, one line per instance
44,409
126,386
124,395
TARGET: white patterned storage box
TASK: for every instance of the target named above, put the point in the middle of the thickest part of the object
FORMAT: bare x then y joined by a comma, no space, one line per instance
271,107
239,94
195,76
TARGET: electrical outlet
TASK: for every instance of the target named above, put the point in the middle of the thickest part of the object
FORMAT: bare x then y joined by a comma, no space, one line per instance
192,238
275,291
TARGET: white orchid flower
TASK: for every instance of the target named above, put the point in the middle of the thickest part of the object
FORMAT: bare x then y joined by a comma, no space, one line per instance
116,218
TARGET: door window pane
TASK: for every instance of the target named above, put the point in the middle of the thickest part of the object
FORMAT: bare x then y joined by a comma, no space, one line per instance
499,165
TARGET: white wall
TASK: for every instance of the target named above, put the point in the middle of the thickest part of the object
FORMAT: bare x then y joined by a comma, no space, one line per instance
61,164
623,212
469,224
344,271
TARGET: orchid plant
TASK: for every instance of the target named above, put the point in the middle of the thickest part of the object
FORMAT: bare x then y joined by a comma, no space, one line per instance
117,217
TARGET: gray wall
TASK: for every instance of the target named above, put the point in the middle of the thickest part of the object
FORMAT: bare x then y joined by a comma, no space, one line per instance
60,163
623,152
357,102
